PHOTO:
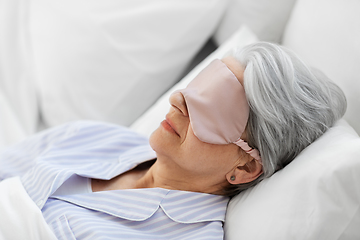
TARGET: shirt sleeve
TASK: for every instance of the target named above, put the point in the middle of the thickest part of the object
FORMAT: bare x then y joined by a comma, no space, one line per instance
17,159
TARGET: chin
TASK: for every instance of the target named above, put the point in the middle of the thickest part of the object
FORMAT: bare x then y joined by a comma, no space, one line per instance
161,143
154,139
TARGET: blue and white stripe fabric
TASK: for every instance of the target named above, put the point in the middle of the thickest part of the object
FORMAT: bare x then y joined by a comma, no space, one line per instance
98,150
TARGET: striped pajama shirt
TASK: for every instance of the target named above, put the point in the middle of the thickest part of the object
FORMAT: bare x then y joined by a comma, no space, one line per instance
99,150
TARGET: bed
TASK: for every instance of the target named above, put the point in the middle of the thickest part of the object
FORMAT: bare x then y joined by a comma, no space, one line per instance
118,61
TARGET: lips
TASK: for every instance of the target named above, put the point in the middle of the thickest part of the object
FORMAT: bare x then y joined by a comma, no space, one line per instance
168,122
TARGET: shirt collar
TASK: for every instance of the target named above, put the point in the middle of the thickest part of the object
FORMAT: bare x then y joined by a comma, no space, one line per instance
134,156
141,204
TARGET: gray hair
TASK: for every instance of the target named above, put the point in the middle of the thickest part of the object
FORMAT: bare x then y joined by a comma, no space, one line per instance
291,105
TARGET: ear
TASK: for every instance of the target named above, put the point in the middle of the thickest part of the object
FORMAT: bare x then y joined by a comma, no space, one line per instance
245,173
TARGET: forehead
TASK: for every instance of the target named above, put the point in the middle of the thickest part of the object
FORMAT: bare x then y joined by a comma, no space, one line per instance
235,67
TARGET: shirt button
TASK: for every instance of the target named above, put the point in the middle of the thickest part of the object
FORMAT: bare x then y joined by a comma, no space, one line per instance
40,202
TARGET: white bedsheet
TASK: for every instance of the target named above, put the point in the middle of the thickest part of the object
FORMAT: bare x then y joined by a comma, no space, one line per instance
20,218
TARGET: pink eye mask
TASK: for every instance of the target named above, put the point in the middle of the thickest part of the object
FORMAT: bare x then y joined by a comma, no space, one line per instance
217,107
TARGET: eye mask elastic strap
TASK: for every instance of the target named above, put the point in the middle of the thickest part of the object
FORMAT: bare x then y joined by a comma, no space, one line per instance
245,146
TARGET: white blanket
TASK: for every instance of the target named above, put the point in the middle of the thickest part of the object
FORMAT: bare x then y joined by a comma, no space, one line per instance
20,218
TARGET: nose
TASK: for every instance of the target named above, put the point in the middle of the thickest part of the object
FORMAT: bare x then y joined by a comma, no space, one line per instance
177,101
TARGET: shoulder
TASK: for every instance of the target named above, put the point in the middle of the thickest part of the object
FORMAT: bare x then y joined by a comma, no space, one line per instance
99,133
99,126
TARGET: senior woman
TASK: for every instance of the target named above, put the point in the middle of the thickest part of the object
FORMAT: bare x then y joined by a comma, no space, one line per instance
240,120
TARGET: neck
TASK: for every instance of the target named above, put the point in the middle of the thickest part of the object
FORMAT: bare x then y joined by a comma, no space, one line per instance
161,176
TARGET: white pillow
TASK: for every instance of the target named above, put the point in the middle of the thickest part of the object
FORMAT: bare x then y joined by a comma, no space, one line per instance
110,60
266,18
18,100
317,196
11,128
151,119
326,34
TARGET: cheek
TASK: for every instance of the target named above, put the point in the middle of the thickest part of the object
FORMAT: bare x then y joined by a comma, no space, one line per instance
208,157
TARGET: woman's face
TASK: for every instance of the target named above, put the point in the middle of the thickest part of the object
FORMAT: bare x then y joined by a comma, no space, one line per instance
176,145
